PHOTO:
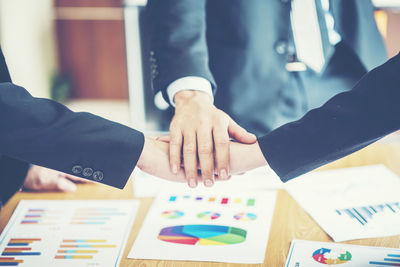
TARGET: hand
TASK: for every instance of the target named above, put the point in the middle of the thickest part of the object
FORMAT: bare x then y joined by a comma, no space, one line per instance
245,157
154,161
42,179
199,128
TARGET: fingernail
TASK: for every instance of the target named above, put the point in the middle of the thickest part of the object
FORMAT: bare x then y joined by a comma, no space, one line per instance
208,182
223,175
174,169
192,183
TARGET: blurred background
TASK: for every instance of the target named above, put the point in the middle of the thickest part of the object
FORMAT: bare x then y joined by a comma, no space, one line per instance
92,54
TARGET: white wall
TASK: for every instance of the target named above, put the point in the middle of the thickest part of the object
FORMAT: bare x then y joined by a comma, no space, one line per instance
27,40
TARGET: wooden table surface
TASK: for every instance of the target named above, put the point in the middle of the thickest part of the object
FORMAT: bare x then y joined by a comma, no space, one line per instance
290,221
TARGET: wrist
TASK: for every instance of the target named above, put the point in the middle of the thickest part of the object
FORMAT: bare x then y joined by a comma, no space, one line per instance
186,96
143,156
245,157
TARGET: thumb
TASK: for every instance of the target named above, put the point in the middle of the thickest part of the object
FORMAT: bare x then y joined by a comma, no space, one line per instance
61,184
240,134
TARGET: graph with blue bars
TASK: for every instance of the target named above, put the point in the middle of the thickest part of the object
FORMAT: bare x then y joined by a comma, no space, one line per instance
391,260
365,213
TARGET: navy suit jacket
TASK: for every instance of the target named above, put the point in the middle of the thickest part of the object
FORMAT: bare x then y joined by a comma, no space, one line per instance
242,47
46,133
346,123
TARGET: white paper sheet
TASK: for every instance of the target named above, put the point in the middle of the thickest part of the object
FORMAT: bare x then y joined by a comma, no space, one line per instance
354,203
206,227
258,180
304,253
67,233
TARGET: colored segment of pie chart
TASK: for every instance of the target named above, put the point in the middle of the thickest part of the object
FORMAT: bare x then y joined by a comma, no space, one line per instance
331,257
245,216
172,214
203,235
208,215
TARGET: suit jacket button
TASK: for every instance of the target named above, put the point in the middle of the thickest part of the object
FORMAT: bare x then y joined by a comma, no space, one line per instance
87,172
98,175
281,47
77,169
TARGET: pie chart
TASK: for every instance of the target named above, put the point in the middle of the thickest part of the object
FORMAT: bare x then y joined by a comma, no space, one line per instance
208,215
203,235
172,214
245,216
331,257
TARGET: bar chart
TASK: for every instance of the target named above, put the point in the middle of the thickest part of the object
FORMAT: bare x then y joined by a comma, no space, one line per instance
365,213
17,249
81,248
95,215
41,216
391,260
64,233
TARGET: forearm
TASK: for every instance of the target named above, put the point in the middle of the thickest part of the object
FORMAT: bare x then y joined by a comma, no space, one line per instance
346,123
12,176
179,42
48,134
245,157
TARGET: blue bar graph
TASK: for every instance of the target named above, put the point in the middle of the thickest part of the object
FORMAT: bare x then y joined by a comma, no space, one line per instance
388,261
363,214
20,254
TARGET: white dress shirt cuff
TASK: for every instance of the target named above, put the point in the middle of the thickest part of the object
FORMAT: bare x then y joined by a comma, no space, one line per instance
189,83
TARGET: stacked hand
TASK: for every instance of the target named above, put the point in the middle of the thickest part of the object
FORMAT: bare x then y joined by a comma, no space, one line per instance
200,135
198,149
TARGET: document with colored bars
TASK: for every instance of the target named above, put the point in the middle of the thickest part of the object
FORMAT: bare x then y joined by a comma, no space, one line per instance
207,226
353,203
304,253
67,233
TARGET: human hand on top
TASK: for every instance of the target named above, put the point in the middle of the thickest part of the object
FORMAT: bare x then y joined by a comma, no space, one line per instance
198,129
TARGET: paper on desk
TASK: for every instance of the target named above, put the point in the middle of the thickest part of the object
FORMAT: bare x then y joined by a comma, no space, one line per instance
354,203
67,233
206,227
258,180
304,253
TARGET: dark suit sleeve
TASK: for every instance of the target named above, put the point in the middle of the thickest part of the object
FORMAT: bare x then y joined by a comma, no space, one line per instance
46,133
346,123
12,176
178,42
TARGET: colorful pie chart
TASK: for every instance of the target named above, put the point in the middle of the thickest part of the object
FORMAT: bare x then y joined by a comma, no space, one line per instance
245,216
172,214
208,215
203,235
331,257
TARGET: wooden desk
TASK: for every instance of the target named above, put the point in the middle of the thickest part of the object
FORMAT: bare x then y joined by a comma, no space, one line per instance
289,222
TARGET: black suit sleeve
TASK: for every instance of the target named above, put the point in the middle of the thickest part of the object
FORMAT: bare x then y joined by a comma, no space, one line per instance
12,176
46,133
178,42
346,123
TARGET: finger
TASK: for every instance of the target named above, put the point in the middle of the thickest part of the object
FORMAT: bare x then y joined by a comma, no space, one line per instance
206,156
240,134
190,157
64,185
221,143
164,138
75,179
55,183
175,148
